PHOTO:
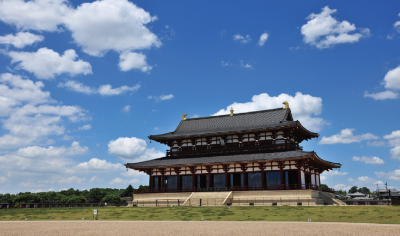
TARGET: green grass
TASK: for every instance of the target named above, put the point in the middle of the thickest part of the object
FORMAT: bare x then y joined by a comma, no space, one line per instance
353,214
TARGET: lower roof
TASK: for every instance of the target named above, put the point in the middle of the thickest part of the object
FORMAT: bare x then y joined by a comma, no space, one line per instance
238,158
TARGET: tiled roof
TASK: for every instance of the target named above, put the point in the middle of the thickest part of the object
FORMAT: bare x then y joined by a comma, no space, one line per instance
238,122
170,161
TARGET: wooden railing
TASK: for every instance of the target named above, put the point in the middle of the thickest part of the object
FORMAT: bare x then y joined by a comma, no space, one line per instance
236,188
232,149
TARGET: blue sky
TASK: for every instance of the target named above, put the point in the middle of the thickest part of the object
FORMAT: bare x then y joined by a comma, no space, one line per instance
82,84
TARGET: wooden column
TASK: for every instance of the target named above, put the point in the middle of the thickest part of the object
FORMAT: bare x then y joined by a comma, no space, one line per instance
226,169
299,166
262,168
244,168
281,168
178,181
162,170
193,171
209,170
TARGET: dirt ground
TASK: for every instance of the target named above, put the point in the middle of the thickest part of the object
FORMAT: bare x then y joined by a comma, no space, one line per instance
192,228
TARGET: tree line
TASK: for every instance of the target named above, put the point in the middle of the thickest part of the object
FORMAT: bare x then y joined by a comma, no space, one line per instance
94,195
356,189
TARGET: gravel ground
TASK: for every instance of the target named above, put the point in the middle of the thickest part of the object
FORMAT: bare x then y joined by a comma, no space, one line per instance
191,228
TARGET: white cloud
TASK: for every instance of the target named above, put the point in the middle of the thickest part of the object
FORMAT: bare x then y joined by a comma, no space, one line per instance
365,180
161,97
46,63
394,134
396,25
121,181
382,95
332,173
105,90
247,65
133,60
77,87
95,179
394,140
238,37
3,180
132,149
346,136
263,38
134,173
98,26
392,79
71,180
29,117
40,152
85,127
127,108
395,153
21,39
394,175
95,164
342,187
226,63
376,143
323,31
303,107
369,160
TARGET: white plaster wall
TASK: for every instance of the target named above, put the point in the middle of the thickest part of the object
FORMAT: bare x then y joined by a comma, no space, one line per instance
312,179
303,179
318,184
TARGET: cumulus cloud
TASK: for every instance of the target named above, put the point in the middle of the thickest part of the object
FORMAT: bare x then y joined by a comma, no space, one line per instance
46,63
396,25
394,141
105,90
133,60
365,180
263,39
122,181
41,152
132,149
382,95
346,136
393,175
342,187
95,179
96,164
3,180
127,108
161,97
332,173
376,143
71,180
240,38
369,160
97,27
29,117
134,173
303,106
324,31
21,39
392,79
85,127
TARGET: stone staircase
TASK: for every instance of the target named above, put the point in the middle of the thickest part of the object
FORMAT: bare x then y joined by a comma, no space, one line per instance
207,199
330,199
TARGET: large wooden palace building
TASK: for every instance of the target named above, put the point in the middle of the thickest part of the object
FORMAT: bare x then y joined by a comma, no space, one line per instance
246,151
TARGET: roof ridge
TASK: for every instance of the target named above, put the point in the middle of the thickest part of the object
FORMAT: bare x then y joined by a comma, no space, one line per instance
235,114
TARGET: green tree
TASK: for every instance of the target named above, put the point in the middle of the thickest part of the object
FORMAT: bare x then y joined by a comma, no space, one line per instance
112,199
353,189
128,192
364,190
324,186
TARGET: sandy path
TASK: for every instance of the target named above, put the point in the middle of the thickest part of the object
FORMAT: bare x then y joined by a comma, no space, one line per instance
191,228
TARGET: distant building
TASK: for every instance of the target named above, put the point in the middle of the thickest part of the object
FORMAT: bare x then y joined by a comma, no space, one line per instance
358,196
385,194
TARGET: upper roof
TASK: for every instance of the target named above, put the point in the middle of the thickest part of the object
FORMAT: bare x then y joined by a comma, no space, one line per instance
235,158
239,122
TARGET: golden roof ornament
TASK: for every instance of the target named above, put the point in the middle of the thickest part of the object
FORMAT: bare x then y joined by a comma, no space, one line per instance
232,111
286,105
184,116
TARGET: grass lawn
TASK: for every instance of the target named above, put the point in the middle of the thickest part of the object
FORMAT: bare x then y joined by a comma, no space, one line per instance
354,214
